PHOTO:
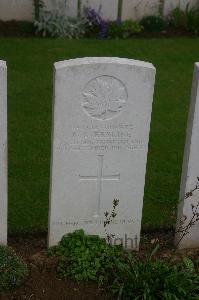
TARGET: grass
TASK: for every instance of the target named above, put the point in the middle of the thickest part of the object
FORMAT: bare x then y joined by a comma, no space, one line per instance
30,79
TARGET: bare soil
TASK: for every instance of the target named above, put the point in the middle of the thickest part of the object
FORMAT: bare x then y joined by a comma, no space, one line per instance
43,281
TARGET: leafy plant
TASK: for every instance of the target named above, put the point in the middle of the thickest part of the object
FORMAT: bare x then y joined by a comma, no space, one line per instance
193,20
153,24
86,257
26,27
55,24
12,269
124,29
178,18
115,30
98,25
187,20
131,27
155,280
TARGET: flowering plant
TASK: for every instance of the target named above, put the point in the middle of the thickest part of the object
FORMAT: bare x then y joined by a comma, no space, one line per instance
97,21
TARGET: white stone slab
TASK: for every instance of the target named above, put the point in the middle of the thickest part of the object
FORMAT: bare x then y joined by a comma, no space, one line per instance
109,9
102,113
3,153
136,10
190,172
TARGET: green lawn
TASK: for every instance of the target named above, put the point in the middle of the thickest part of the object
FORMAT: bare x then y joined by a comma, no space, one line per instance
30,80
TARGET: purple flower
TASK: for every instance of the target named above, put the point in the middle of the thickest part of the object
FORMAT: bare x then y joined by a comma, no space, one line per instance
96,20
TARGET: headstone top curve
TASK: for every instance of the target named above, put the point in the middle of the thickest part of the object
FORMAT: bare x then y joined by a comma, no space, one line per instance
101,60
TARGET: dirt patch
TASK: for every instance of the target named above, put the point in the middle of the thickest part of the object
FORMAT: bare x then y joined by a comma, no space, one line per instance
43,282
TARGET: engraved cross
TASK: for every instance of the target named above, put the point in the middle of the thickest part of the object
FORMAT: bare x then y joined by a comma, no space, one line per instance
100,178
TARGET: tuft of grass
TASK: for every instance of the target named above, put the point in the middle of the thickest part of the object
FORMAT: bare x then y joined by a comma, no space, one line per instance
153,24
156,279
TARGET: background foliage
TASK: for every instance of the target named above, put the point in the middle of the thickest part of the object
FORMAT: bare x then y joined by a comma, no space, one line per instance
55,23
12,269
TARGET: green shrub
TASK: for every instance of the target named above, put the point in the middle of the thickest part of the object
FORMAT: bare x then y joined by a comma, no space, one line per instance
193,20
156,280
115,30
187,20
12,269
124,29
84,257
153,24
55,24
26,27
178,18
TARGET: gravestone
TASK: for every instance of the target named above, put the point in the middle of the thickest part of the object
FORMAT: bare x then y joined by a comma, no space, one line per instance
187,229
3,153
102,112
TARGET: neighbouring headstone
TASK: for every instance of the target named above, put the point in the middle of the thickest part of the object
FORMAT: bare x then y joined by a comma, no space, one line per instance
3,153
102,113
187,229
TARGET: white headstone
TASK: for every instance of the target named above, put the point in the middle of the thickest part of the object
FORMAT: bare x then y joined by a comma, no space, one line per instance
189,204
102,114
3,153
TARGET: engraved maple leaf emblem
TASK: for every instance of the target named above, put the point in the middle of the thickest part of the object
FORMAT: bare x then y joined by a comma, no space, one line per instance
104,97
